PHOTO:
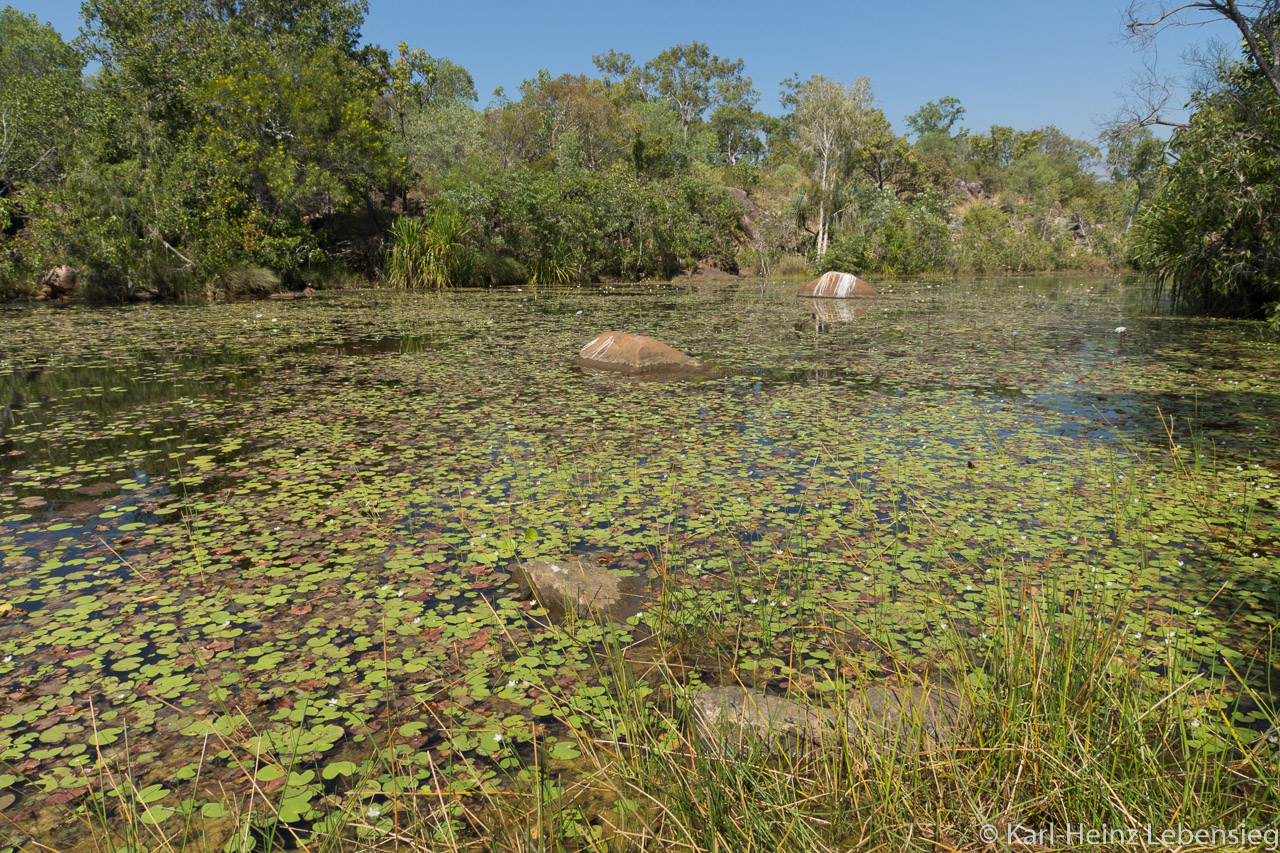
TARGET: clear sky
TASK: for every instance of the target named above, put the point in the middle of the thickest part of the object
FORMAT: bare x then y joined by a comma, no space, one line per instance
1024,63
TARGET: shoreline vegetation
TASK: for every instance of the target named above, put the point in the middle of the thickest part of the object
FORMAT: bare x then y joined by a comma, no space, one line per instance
211,157
216,155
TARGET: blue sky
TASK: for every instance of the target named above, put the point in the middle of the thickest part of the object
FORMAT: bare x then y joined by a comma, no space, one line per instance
1024,63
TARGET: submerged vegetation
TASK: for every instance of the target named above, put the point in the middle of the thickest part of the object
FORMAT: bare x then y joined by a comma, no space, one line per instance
258,594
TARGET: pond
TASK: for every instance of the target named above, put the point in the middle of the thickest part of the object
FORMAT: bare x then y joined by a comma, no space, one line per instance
231,533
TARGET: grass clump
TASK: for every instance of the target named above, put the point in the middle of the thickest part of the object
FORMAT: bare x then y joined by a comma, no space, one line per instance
432,252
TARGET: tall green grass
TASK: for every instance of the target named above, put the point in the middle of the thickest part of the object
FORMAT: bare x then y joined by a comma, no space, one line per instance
431,253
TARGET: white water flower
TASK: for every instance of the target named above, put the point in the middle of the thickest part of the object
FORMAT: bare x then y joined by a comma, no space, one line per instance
1122,328
333,702
1195,724
373,812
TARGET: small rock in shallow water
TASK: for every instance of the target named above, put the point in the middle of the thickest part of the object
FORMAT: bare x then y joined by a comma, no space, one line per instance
571,586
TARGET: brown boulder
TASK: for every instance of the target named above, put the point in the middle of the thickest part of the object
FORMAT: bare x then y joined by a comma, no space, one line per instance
735,719
751,213
58,283
634,354
838,285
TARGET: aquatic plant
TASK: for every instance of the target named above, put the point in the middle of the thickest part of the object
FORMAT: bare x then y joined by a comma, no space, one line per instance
277,538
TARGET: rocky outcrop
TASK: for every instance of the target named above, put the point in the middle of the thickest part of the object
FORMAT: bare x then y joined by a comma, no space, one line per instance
58,283
966,190
838,285
629,353
571,586
709,271
884,719
751,214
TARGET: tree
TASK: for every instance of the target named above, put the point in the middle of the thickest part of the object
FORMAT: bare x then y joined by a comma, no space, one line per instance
579,105
735,121
1258,24
40,99
1212,233
936,117
1137,156
690,80
832,123
415,79
225,127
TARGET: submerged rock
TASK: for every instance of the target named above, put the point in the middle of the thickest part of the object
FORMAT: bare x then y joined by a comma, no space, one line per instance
838,285
634,354
909,716
735,718
573,586
880,718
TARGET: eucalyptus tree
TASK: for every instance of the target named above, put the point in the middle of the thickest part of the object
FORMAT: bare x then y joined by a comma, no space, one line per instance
691,79
737,125
832,124
686,77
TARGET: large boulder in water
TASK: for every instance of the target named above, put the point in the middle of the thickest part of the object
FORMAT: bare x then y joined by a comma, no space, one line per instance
635,354
838,285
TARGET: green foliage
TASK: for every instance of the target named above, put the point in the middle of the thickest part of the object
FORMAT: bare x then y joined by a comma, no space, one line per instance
218,138
938,117
1212,234
432,252
41,100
